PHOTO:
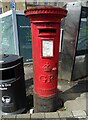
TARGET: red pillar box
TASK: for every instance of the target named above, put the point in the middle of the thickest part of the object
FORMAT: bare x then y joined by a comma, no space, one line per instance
45,26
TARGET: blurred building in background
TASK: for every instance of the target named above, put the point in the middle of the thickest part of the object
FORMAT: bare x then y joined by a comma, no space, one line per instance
0,7
6,5
13,4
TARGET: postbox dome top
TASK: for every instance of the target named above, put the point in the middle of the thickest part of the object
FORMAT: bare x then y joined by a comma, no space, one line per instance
45,10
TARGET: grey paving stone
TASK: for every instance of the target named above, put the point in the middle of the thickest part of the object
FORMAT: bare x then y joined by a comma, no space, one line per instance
52,118
0,117
37,119
52,115
75,104
63,119
37,116
8,117
69,119
79,114
83,119
23,117
87,117
65,114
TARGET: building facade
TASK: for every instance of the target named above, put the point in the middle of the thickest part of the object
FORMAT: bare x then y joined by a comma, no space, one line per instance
6,5
0,7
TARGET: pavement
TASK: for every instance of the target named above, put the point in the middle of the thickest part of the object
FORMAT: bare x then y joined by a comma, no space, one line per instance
74,95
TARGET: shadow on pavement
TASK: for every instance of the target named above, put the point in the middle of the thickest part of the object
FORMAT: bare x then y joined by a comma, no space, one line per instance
75,91
29,93
70,94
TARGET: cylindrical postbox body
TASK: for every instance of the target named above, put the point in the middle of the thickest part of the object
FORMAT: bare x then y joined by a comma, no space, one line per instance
45,25
12,85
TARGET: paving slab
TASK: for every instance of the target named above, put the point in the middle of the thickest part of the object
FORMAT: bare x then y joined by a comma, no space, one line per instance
76,104
69,119
23,117
0,117
52,119
63,119
28,70
82,118
52,115
8,117
65,114
79,114
87,103
38,116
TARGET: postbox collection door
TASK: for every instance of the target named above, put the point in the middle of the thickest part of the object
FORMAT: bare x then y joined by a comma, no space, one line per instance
45,55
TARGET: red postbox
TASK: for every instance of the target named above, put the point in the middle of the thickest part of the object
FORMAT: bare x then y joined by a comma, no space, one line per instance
45,26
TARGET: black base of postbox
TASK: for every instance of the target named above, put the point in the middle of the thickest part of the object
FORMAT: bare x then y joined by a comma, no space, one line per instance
45,104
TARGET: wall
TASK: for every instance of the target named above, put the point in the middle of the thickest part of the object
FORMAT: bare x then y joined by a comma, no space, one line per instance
19,5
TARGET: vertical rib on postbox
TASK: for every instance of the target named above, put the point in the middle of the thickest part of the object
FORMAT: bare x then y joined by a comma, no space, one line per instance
45,26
